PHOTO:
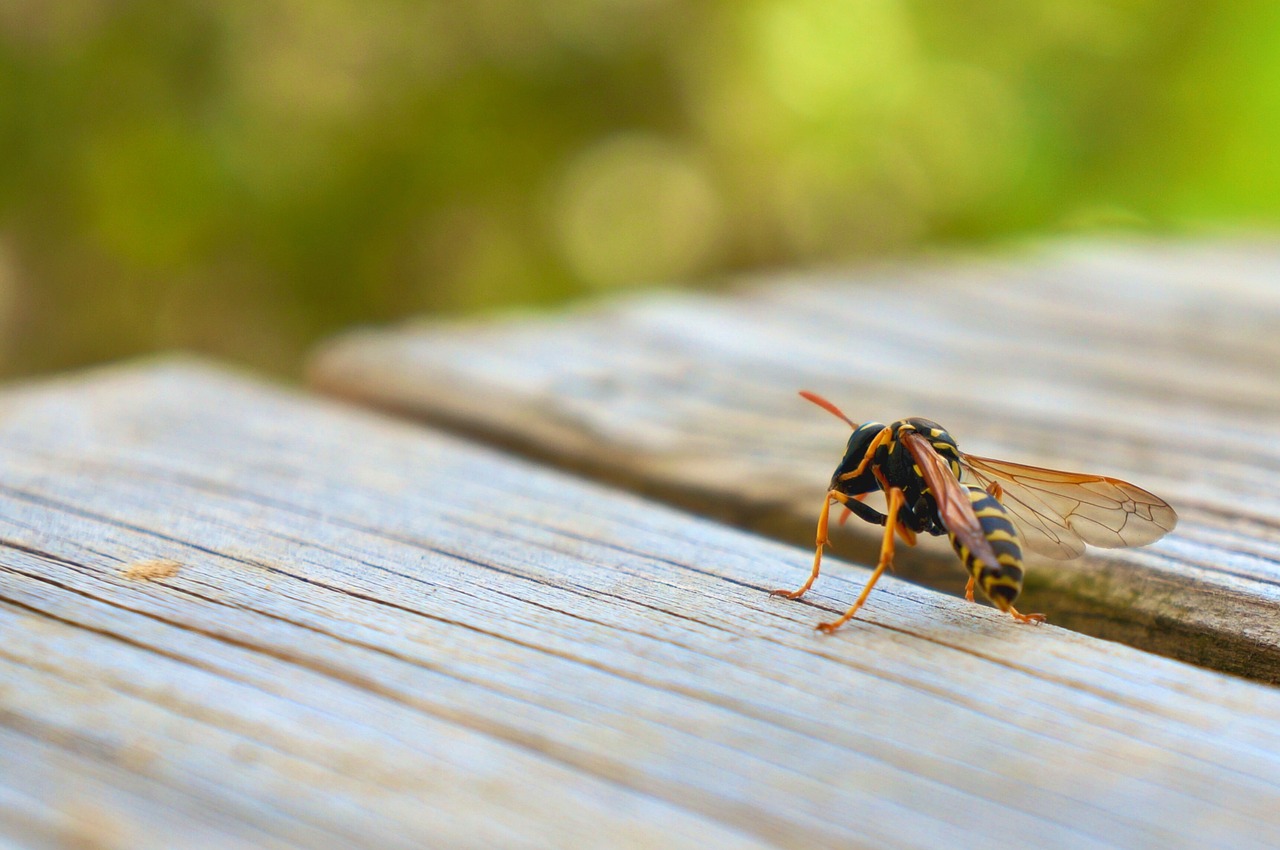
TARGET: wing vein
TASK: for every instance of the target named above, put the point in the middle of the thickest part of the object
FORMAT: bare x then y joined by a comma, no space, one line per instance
1059,512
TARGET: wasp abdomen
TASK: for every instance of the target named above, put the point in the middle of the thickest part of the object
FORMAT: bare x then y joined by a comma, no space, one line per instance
1001,581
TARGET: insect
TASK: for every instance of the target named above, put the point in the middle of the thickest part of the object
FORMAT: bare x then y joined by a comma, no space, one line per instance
918,467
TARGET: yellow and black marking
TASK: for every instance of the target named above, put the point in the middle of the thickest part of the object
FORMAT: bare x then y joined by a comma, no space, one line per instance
875,450
891,459
875,460
1001,581
916,464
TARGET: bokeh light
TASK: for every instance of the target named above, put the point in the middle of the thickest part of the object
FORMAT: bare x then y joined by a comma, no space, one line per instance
245,178
633,209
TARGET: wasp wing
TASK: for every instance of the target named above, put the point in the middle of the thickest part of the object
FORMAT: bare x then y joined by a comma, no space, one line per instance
1059,512
954,508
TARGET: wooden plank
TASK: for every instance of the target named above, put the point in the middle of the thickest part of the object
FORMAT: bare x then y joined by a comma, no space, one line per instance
1158,364
365,633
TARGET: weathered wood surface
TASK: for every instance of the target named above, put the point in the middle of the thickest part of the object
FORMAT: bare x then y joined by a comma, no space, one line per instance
1158,364
236,617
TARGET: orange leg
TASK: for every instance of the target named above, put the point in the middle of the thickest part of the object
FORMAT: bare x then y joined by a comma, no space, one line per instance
846,513
1029,619
881,439
996,491
908,536
819,543
886,559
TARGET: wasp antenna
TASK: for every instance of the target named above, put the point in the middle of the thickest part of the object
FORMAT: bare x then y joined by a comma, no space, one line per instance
827,406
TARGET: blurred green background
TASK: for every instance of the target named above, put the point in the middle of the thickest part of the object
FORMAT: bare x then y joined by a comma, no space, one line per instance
243,178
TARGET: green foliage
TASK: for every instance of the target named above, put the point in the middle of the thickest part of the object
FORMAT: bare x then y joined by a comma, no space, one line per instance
243,178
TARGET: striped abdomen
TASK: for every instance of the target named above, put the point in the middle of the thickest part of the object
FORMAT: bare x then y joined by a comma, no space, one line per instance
1002,581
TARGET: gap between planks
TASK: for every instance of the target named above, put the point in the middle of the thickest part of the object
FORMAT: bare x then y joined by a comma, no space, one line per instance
1152,363
378,631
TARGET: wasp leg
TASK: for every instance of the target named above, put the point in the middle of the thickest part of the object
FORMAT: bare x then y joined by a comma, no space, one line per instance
848,511
886,559
819,543
881,438
1032,619
968,590
996,491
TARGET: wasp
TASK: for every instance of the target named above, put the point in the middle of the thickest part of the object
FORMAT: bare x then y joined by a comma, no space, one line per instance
919,468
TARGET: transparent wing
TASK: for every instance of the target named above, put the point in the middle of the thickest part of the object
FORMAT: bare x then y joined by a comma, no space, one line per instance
954,508
1059,512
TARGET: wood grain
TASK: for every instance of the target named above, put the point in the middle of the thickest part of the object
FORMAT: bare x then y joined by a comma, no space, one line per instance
1155,363
381,636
